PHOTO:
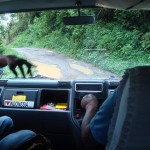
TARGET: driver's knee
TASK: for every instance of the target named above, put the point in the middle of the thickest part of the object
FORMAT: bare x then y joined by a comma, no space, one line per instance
14,140
6,126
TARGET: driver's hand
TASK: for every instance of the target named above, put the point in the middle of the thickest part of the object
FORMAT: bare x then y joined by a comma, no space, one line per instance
89,100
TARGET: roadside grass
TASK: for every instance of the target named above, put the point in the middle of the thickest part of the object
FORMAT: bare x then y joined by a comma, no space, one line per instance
112,63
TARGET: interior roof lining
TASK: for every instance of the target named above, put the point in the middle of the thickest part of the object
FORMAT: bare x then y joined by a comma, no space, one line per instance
45,9
13,6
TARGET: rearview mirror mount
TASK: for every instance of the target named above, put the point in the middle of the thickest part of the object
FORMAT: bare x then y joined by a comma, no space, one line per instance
79,20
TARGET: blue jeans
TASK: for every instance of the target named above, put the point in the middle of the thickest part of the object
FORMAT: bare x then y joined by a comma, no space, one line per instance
10,140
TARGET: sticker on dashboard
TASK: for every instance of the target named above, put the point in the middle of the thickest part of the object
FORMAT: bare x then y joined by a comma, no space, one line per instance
23,104
19,98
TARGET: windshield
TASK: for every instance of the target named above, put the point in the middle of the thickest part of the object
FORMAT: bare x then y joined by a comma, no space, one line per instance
118,40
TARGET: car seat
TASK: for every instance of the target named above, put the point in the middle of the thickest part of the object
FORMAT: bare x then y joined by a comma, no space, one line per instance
130,124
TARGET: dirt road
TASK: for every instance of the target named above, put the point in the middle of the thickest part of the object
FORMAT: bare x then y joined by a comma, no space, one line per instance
57,66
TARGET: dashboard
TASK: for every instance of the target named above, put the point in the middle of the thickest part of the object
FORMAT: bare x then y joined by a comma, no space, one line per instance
51,107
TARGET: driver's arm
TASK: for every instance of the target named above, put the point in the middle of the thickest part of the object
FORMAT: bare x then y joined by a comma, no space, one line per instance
94,127
90,104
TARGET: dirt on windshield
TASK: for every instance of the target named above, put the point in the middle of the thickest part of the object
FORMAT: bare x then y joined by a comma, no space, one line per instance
57,66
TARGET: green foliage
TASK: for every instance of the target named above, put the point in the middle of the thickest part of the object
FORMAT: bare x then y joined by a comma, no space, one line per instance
8,50
146,42
18,23
2,49
133,19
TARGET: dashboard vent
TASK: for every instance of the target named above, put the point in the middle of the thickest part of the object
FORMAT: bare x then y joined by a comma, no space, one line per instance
88,87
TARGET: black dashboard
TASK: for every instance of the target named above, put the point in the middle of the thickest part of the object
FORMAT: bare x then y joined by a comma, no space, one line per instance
51,107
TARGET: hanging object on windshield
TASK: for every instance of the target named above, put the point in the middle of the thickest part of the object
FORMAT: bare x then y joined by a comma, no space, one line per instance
79,20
